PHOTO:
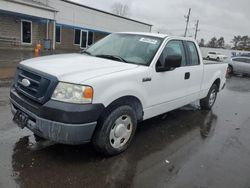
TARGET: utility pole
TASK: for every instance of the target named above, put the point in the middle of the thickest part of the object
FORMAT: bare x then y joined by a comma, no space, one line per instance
196,29
187,21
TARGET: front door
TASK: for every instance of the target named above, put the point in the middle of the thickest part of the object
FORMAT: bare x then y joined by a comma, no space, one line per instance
84,39
168,89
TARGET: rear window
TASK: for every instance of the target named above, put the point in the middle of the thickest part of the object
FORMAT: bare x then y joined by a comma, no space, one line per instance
194,56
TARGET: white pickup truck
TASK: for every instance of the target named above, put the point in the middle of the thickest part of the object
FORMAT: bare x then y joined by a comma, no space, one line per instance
100,95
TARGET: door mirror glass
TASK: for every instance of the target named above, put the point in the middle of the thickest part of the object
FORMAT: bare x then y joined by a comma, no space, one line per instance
171,62
172,56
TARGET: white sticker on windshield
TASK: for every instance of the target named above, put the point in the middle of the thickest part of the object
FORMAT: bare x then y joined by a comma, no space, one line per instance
148,40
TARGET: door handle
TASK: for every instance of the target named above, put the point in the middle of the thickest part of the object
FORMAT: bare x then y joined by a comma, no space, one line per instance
187,75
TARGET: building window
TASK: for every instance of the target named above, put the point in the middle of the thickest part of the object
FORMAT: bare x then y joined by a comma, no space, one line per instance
77,36
26,31
58,33
90,38
84,38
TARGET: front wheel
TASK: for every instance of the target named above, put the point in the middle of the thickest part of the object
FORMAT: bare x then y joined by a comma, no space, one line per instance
115,131
208,102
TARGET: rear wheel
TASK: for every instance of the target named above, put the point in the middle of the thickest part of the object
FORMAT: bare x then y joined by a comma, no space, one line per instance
116,131
218,59
208,102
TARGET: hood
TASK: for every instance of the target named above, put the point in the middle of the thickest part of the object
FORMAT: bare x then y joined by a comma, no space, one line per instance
76,68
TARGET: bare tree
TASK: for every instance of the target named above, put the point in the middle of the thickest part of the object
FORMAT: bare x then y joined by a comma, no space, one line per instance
120,9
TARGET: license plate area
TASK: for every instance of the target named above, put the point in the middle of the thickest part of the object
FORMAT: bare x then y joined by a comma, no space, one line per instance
21,119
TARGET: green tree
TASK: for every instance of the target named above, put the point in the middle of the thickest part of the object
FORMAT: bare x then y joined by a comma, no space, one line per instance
221,42
244,43
212,43
236,40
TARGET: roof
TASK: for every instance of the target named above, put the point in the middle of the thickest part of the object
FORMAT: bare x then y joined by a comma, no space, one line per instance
159,35
81,5
33,3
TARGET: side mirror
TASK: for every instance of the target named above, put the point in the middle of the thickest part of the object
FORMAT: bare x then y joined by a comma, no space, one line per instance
171,62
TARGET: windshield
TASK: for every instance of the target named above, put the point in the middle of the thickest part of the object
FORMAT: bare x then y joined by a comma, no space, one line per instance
129,48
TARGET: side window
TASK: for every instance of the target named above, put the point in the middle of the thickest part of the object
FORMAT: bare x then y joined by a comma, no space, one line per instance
77,36
174,47
58,33
242,60
194,56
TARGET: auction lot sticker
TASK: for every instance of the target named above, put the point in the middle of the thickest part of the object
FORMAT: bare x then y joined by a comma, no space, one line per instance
148,40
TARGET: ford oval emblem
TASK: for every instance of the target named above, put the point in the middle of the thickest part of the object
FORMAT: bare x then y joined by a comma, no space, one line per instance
25,82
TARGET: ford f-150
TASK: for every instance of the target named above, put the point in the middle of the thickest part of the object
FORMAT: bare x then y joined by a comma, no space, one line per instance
99,96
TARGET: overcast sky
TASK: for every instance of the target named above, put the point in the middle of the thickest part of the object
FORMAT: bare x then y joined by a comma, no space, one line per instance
217,17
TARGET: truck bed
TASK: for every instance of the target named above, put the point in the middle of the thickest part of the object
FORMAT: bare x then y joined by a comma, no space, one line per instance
211,62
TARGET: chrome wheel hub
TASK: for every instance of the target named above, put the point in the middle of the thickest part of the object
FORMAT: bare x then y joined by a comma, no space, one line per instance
121,131
212,97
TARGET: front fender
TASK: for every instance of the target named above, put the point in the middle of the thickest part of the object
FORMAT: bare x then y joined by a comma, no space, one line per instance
118,90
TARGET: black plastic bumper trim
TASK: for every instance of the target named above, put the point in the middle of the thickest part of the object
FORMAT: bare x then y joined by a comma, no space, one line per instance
60,111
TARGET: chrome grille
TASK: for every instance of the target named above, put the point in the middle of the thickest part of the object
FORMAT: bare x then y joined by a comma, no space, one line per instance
39,85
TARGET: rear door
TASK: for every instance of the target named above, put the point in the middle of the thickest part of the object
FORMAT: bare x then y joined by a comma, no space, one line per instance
194,69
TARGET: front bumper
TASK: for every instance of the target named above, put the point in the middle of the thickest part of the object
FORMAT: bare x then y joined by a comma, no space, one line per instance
60,122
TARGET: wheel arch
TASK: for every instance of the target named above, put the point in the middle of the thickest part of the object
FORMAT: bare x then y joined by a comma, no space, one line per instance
217,82
129,100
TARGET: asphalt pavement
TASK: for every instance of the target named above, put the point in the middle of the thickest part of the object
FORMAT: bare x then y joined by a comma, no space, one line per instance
185,148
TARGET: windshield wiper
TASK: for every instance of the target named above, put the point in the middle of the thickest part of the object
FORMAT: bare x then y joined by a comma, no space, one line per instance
114,57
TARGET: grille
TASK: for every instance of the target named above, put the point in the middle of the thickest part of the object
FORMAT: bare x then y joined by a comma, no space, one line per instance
40,86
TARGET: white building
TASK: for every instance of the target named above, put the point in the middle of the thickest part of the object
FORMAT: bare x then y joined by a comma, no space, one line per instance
64,24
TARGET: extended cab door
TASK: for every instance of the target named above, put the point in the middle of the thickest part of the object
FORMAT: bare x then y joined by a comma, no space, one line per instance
168,89
194,68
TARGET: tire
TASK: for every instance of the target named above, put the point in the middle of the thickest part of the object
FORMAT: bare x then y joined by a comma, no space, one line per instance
218,59
208,102
230,70
208,57
115,131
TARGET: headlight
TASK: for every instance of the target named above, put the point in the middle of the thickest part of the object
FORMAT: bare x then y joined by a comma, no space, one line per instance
73,93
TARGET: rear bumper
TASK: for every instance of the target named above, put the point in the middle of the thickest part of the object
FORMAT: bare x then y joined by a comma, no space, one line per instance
58,121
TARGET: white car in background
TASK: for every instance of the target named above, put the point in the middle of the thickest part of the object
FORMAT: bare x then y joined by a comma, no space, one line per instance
216,56
239,65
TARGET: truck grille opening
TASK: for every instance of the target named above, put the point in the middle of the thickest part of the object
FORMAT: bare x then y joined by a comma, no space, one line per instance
39,85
